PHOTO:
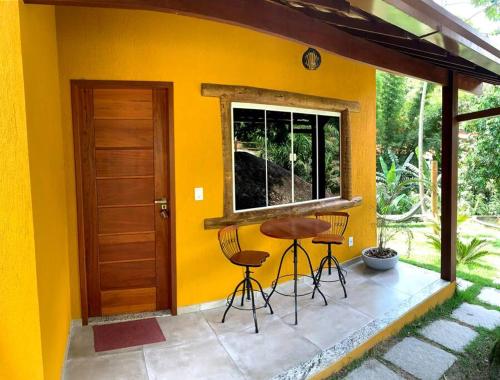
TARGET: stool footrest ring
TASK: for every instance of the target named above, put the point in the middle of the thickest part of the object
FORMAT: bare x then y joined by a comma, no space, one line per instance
344,272
274,284
228,300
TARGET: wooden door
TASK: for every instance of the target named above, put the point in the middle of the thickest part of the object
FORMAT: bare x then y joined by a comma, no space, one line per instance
121,155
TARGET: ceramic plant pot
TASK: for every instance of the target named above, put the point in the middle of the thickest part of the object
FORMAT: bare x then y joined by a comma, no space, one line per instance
377,262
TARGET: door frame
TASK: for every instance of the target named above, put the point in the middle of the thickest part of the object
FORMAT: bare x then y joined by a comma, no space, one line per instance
77,85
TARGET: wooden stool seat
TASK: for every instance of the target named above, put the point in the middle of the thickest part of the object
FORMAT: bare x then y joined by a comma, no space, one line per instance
328,239
249,258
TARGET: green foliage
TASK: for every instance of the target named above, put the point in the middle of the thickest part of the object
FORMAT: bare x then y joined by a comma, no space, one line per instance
468,252
491,8
332,155
398,101
393,185
279,149
479,169
391,92
302,146
397,129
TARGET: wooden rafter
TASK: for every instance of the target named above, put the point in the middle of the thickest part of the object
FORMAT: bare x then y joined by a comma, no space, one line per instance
327,5
356,23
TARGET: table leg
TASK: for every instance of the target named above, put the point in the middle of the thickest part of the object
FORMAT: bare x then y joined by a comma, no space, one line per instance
316,283
278,275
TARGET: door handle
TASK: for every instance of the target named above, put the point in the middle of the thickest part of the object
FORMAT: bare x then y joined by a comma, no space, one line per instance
163,203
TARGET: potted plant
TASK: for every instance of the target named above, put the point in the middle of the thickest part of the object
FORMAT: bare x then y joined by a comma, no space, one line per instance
392,184
381,257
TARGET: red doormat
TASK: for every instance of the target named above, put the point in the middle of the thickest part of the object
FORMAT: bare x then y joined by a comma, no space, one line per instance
127,334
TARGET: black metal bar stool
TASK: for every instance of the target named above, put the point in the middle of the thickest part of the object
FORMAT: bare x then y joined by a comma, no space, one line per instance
230,246
335,235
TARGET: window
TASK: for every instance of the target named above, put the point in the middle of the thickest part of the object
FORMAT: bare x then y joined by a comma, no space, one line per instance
283,155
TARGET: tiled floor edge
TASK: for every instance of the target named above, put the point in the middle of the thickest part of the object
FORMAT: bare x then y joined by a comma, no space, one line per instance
222,302
333,359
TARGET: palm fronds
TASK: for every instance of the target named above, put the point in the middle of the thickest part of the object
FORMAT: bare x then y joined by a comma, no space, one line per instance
467,251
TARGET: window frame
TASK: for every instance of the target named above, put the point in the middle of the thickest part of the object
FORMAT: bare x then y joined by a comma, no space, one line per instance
227,95
292,111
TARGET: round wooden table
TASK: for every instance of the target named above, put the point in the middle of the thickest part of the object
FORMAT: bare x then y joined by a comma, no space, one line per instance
294,228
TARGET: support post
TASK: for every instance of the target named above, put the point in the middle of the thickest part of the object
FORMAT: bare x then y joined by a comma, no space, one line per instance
449,177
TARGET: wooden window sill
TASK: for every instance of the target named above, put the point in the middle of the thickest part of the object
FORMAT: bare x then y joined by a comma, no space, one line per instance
258,216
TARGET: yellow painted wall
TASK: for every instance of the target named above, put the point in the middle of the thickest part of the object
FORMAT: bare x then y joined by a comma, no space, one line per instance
20,347
137,45
48,183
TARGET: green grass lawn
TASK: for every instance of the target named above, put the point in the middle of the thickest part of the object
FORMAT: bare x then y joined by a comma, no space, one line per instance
415,250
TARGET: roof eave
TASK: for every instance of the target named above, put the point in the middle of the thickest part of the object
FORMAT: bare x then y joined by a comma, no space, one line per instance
436,25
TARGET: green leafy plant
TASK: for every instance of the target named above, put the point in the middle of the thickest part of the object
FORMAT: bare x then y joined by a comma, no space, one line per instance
393,184
424,173
468,252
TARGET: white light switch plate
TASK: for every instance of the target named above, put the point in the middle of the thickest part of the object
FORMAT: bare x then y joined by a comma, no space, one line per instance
198,193
351,241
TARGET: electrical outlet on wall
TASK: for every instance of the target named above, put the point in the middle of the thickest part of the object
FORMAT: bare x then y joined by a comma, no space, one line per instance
198,193
351,241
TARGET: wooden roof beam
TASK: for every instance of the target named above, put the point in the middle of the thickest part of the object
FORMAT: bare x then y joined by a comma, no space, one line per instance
282,21
330,5
357,24
402,42
491,112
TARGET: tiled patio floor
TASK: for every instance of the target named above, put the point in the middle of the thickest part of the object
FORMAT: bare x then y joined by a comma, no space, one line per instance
198,346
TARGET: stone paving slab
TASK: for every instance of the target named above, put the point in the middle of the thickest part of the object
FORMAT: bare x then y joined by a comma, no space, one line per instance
372,370
490,296
421,359
476,315
463,284
449,334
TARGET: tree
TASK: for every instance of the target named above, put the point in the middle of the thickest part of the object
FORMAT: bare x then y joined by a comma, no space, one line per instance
399,105
421,189
491,8
391,92
479,165
398,109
